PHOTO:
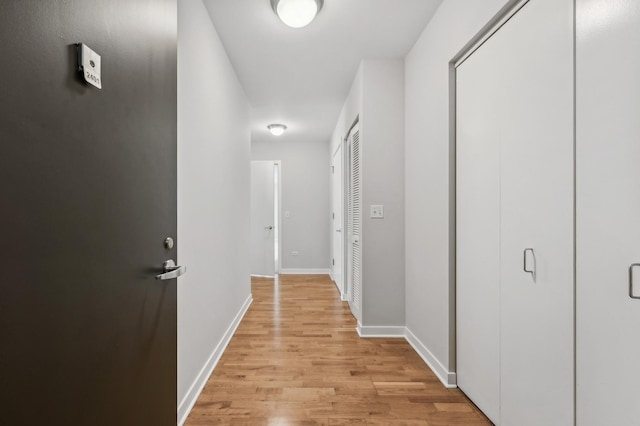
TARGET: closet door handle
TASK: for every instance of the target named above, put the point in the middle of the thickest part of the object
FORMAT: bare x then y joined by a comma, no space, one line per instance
525,263
631,268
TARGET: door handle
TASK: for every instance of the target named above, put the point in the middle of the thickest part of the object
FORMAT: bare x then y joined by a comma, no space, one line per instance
531,271
268,228
171,271
338,230
631,268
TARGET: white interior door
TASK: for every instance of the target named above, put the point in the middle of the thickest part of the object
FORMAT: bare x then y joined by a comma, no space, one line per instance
337,223
263,224
608,209
518,89
537,213
354,224
478,230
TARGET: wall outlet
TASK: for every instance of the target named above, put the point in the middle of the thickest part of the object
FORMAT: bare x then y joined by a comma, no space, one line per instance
287,213
377,211
295,253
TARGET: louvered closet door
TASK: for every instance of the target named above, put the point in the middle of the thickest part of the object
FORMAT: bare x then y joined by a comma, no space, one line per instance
354,223
517,153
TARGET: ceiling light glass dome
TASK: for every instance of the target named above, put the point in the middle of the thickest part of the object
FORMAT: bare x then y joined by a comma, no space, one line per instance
296,13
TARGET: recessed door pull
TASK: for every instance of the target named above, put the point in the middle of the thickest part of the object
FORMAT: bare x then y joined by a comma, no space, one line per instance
171,271
631,268
525,261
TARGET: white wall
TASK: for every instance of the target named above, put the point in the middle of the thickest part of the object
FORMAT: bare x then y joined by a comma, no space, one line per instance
213,199
305,194
429,292
350,111
382,135
377,97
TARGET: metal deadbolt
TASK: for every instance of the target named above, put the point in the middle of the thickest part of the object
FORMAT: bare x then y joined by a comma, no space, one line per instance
168,243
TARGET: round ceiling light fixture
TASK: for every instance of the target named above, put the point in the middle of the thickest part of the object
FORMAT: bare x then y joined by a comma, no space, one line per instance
277,129
297,13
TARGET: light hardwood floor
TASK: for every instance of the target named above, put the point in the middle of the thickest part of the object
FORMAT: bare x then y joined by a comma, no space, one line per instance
296,359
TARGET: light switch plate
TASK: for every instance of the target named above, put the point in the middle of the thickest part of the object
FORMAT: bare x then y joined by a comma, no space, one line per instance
377,211
90,65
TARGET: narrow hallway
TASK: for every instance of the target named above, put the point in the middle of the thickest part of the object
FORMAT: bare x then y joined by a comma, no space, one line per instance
296,359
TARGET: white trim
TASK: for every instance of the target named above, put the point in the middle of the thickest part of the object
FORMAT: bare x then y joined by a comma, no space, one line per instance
344,297
337,286
291,271
448,378
187,403
378,331
262,276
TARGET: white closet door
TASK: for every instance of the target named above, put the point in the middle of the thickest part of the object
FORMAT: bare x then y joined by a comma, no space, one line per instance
515,192
537,213
338,209
354,224
478,230
608,212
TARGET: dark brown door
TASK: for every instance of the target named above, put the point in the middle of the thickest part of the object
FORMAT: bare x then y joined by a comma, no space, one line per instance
87,197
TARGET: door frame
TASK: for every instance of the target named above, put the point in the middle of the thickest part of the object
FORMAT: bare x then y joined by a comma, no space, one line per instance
338,157
277,218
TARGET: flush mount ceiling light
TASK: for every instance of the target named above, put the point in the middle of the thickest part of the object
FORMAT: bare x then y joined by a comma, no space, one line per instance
277,129
296,13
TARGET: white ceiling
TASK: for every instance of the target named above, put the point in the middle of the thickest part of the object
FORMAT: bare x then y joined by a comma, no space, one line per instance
301,77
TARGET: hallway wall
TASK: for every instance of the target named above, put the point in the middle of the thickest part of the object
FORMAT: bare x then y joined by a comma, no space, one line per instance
430,294
377,97
213,199
305,194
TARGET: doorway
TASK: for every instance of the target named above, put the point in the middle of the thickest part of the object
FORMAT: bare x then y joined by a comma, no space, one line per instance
265,218
337,263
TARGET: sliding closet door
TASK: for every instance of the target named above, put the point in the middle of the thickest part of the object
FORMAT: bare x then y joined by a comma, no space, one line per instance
608,212
478,229
537,215
515,259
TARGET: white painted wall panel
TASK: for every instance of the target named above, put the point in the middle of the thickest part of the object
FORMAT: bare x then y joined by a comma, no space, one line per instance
429,294
213,193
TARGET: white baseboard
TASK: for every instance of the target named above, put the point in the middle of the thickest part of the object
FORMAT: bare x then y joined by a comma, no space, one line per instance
447,378
262,276
187,403
305,271
344,297
380,331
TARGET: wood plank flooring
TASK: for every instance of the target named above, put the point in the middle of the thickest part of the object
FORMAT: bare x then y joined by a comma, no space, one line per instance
296,359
